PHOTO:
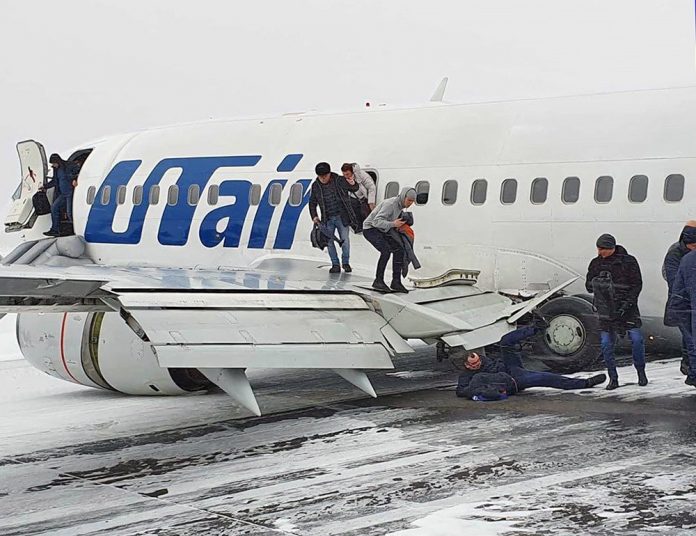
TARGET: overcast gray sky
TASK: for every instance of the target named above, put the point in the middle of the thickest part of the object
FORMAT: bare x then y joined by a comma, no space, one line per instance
74,70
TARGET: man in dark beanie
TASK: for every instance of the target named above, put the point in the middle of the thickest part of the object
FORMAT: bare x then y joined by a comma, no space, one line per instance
682,307
670,266
330,194
615,280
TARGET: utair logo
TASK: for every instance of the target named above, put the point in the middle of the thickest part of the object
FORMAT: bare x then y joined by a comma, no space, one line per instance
175,226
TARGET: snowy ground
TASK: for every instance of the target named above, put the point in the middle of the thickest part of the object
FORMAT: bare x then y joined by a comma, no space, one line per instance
325,461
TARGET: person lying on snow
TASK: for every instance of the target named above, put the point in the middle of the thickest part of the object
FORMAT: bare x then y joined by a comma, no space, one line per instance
488,378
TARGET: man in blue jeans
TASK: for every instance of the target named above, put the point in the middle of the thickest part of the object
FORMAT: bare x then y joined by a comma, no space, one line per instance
487,378
615,280
64,177
330,193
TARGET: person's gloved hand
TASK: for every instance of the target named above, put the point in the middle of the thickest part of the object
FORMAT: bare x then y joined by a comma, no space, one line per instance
622,309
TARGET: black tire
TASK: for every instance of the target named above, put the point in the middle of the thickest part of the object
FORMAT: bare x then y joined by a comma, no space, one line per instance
578,322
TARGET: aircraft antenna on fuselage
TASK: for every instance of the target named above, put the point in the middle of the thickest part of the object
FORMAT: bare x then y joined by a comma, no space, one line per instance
440,91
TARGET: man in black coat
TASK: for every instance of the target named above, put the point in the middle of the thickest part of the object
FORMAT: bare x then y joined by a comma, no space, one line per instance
682,306
675,254
615,280
488,378
330,193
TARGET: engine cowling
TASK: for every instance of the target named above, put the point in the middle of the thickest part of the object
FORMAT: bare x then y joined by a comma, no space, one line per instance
99,350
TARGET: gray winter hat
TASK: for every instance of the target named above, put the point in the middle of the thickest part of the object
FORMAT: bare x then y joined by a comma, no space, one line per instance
606,241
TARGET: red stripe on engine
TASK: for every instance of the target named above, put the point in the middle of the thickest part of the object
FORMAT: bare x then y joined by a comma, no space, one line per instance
62,348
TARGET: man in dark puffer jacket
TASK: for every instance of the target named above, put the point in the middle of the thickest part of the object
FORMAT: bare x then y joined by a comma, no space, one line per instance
488,378
674,256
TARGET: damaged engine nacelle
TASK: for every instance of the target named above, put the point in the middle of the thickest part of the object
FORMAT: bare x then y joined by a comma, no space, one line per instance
99,350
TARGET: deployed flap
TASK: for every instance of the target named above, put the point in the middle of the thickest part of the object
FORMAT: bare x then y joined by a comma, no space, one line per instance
261,330
33,169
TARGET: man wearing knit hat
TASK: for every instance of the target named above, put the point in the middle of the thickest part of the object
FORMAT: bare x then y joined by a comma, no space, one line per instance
615,280
670,266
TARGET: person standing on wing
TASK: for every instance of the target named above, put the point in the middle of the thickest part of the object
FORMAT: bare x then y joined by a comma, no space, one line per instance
330,194
363,200
614,278
670,266
376,227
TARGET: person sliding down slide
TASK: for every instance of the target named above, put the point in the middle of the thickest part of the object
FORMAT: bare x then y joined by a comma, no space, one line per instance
487,378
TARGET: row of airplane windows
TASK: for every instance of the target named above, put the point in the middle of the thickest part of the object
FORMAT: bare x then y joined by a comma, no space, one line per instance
673,191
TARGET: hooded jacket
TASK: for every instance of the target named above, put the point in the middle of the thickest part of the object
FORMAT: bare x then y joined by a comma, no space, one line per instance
366,186
670,266
616,296
682,301
384,214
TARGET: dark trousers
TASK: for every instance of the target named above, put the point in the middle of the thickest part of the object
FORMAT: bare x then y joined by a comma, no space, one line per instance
531,378
61,202
690,343
386,246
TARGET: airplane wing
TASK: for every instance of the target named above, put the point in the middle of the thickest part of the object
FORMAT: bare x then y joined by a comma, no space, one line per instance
284,313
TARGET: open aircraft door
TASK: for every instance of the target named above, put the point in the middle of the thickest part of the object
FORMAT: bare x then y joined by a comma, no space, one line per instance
34,168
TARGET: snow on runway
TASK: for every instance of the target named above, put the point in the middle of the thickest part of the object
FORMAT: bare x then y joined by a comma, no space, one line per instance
415,462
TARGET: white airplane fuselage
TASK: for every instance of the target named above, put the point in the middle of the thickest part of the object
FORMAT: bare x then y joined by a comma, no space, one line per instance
515,245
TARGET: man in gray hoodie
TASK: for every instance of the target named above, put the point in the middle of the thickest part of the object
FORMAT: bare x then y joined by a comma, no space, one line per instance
376,227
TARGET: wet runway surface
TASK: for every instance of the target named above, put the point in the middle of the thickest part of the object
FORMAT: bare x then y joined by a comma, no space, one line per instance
418,461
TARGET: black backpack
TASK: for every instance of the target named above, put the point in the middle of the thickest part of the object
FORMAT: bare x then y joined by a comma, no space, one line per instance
41,204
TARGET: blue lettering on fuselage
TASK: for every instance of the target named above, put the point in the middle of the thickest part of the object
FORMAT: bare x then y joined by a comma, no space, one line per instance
177,218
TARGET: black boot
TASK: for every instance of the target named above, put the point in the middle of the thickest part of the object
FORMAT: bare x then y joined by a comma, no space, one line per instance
397,286
642,378
347,269
613,384
690,380
596,380
380,286
335,269
684,367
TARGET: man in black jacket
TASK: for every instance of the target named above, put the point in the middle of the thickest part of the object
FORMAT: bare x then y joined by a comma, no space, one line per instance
330,194
615,280
670,266
487,378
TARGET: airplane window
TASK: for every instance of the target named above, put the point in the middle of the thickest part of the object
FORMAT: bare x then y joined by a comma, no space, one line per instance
479,189
391,190
638,189
295,195
121,194
154,194
106,195
255,194
539,191
194,195
508,191
173,195
422,192
571,190
91,194
138,195
213,194
276,193
449,192
674,188
603,189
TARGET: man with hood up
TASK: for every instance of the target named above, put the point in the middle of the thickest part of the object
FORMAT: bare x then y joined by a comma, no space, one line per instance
615,280
64,176
376,227
670,266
